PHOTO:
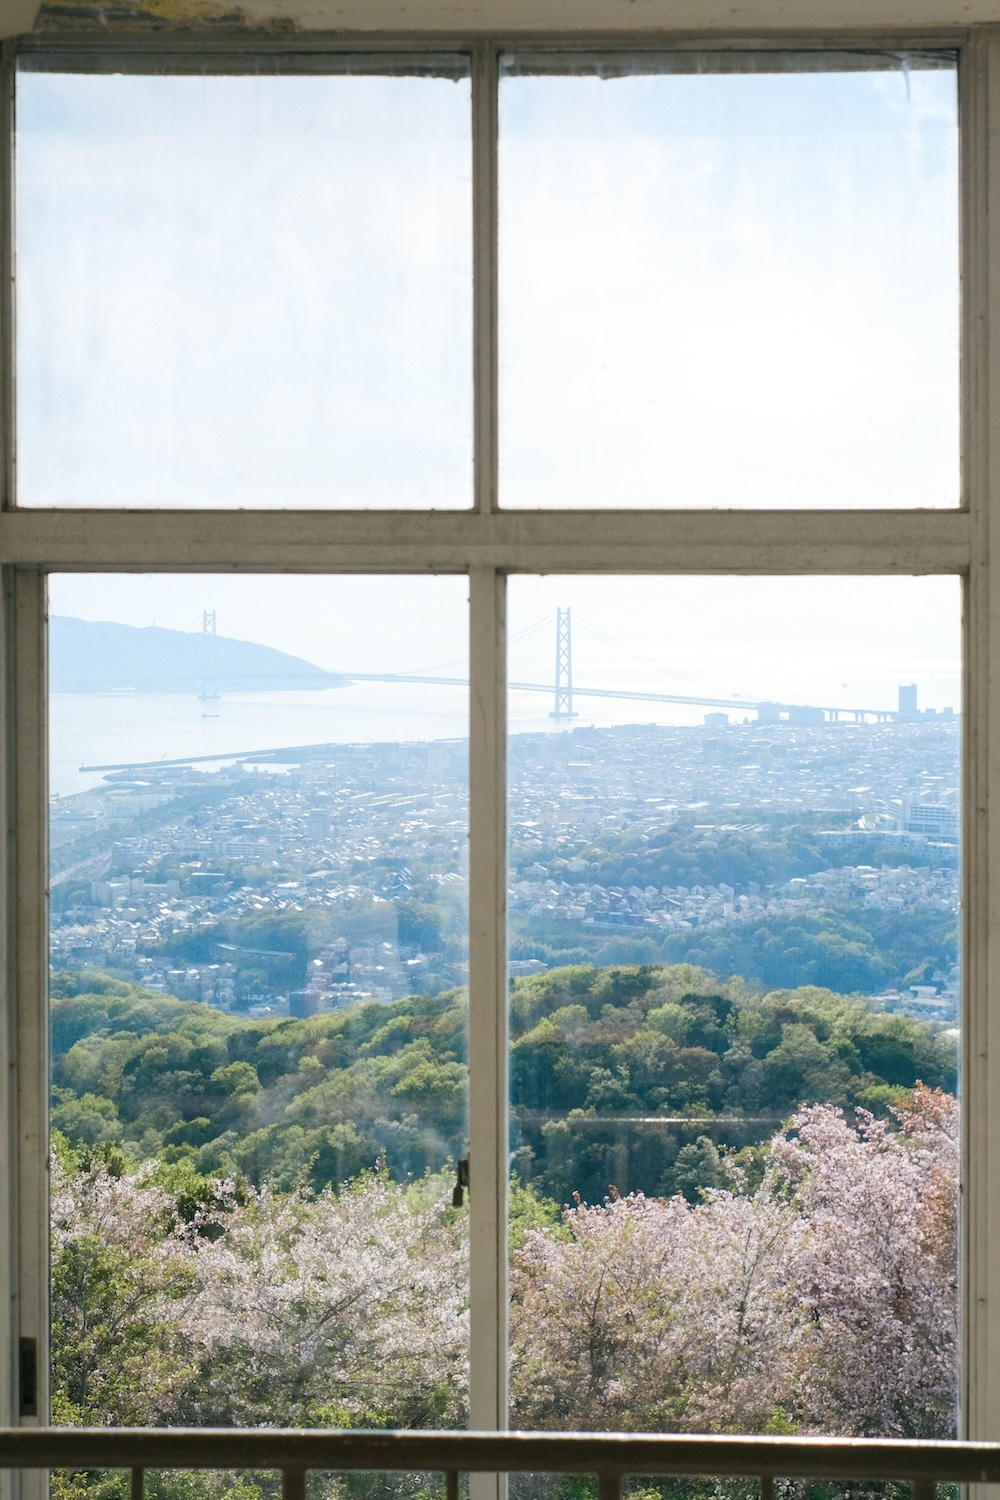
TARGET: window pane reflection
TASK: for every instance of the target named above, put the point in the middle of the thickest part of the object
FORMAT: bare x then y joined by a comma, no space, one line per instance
734,1004
259,1041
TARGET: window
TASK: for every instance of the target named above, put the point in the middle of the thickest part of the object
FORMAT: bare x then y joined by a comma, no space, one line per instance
324,218
707,269
419,427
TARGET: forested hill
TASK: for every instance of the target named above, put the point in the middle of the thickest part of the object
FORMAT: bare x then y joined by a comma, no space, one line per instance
97,656
320,1099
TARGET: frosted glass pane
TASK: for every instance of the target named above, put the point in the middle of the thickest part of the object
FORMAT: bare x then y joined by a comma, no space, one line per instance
729,288
244,291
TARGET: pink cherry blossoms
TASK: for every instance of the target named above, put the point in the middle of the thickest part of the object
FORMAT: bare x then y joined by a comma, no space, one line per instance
817,1292
824,1300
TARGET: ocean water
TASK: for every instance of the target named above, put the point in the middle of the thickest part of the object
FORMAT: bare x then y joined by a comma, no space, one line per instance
100,729
94,729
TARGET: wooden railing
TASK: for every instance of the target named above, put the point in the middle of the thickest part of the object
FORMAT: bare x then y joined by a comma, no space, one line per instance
611,1458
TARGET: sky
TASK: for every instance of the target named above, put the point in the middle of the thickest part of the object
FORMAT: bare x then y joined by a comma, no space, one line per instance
734,290
832,641
715,289
244,291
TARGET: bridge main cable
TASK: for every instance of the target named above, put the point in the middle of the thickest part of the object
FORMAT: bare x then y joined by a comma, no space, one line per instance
623,694
637,695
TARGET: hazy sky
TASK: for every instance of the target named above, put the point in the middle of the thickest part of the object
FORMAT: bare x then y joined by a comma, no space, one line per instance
736,289
244,291
715,288
847,641
732,290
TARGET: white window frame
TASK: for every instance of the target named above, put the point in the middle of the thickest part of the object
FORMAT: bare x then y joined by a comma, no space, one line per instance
489,544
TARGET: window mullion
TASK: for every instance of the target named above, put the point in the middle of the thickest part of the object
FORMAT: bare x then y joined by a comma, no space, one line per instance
980,122
487,824
24,1211
487,1011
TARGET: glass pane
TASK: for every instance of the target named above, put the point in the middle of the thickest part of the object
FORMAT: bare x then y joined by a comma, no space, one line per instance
729,280
244,290
735,1004
258,1003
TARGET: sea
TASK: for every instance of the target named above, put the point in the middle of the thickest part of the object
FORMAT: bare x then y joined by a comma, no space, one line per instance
88,730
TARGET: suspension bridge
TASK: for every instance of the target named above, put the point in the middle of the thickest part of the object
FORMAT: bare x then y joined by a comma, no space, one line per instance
563,692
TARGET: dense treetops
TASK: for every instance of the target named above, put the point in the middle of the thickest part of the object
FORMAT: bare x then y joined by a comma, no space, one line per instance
842,945
686,853
248,1223
767,849
318,1100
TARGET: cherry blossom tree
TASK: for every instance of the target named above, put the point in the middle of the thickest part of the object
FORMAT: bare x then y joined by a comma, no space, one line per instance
822,1298
878,1269
655,1315
122,1273
825,1300
344,1309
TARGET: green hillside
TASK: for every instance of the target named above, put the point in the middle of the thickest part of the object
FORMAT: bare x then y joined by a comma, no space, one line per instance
600,1057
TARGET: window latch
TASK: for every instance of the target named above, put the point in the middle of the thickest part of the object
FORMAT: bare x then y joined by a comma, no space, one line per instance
28,1377
461,1183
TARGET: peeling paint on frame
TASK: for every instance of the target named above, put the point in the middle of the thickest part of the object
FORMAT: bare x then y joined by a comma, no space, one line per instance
497,17
61,15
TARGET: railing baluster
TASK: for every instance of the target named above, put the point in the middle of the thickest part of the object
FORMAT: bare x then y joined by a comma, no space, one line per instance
766,1487
451,1485
138,1476
924,1489
293,1484
609,1486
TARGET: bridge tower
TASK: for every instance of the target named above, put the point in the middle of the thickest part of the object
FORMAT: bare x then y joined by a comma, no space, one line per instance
209,694
564,666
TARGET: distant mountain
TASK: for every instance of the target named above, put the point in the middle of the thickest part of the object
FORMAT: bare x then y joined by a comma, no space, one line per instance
96,656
